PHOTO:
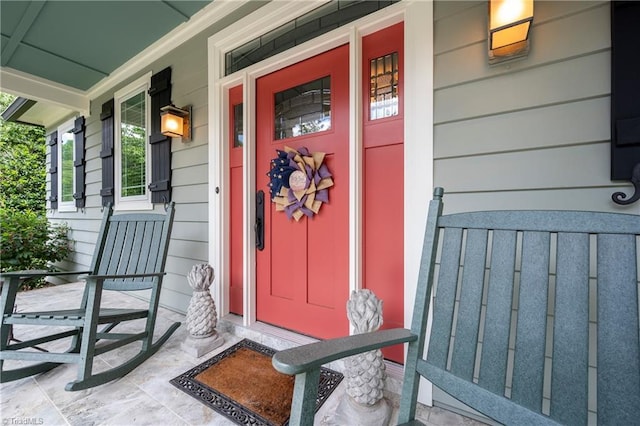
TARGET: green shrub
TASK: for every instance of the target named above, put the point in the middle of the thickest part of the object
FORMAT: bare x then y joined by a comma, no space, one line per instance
29,241
23,172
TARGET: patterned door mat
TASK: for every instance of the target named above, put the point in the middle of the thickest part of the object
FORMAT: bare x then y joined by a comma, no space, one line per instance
241,384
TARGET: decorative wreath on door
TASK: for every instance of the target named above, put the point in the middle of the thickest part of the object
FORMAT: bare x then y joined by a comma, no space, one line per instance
299,182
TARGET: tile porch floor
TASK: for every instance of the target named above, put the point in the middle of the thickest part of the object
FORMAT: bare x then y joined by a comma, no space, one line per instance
145,396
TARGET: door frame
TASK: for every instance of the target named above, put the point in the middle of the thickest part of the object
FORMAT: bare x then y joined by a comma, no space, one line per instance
418,130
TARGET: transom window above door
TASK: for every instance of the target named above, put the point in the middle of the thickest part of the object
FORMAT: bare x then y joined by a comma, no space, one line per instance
327,17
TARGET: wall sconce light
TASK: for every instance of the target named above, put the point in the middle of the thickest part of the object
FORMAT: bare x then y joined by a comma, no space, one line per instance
509,25
176,122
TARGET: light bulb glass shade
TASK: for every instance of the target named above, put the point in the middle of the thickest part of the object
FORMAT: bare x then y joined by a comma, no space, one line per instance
509,21
509,26
171,125
176,122
510,35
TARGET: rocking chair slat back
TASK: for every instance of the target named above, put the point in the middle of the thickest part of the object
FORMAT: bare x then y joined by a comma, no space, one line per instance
571,344
462,360
532,313
619,356
516,296
443,310
134,244
498,314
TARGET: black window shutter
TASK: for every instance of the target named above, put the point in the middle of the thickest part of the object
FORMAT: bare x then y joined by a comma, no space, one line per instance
53,170
625,92
160,93
106,153
78,132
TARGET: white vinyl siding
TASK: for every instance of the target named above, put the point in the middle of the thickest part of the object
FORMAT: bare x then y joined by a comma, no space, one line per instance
533,133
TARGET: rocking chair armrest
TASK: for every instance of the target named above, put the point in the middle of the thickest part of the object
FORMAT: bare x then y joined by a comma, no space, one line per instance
34,273
15,279
309,357
122,276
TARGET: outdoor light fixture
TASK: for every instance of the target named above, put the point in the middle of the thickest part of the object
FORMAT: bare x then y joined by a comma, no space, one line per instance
509,25
176,122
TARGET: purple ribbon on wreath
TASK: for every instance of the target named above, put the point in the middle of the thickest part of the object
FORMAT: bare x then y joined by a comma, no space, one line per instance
302,168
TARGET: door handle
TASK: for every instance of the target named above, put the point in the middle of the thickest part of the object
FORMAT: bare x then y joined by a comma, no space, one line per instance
259,225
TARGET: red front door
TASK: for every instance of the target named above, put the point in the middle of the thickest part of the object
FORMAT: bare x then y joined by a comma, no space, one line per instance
302,272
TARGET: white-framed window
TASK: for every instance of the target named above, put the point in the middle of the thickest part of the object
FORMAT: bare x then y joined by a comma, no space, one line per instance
66,167
131,147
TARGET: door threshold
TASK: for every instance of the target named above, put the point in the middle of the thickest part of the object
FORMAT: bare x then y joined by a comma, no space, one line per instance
268,330
280,339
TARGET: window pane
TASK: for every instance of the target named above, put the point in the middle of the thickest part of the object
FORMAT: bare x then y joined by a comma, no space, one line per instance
66,168
238,136
132,141
303,109
384,86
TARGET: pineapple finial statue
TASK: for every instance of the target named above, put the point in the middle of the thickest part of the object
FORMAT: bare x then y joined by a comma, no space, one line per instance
201,319
365,373
201,313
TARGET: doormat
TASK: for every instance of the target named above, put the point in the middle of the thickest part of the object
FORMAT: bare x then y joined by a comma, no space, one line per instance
241,384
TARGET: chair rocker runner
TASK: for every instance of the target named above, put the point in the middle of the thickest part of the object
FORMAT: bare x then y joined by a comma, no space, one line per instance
130,255
515,298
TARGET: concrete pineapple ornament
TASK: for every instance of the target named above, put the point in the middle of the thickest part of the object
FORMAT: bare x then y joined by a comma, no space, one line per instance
201,317
365,372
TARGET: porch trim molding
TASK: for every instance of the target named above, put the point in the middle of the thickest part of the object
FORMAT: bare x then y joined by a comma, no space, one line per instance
41,90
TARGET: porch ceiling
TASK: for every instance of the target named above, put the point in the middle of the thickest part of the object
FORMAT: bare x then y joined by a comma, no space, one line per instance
78,43
69,47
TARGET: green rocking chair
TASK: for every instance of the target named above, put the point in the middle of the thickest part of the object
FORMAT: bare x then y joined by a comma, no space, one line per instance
512,336
130,255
